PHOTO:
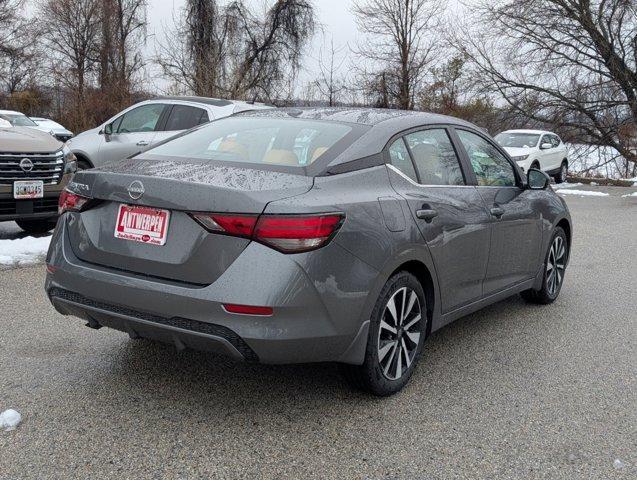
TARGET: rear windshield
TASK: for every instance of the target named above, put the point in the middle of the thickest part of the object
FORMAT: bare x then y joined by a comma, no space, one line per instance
519,140
267,141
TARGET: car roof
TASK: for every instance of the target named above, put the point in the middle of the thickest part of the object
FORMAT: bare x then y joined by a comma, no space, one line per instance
215,102
363,116
523,130
11,112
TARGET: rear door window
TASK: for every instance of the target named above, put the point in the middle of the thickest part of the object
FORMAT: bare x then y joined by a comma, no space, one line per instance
183,117
436,160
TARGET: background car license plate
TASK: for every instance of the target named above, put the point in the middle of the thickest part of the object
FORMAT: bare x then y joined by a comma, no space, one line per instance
28,189
142,224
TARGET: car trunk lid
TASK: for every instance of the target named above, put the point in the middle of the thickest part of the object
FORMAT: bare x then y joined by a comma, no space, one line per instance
190,253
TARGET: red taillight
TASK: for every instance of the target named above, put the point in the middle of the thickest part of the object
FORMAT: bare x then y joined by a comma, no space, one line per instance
239,225
248,310
286,233
294,233
71,202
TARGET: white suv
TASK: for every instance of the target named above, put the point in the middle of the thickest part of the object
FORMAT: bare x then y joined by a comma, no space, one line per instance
147,123
536,149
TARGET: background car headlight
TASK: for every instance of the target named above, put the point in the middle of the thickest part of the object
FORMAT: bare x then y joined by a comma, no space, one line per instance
70,162
519,158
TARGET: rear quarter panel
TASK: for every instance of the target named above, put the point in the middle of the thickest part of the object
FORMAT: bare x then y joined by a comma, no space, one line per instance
370,248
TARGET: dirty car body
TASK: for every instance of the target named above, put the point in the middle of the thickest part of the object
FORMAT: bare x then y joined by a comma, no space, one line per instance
278,251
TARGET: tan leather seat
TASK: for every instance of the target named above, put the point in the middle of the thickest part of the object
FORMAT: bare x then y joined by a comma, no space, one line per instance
281,157
318,151
230,145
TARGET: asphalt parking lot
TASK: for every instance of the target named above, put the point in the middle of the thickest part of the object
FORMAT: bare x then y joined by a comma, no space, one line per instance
513,391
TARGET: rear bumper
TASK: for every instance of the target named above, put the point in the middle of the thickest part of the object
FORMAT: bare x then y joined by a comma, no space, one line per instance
182,332
303,328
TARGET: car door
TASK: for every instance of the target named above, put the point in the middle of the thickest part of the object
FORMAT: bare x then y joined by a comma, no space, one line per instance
559,151
179,118
132,132
547,155
449,213
516,226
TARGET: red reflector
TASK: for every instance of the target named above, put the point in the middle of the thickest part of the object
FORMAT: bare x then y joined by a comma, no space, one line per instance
248,310
70,201
50,268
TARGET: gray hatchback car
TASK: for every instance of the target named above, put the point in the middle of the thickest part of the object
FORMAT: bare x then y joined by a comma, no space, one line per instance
308,235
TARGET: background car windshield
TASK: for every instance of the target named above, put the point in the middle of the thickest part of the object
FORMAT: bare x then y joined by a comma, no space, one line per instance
271,141
19,120
518,140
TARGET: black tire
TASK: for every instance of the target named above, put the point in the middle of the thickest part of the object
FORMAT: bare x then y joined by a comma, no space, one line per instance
549,292
38,226
535,164
560,177
83,164
373,376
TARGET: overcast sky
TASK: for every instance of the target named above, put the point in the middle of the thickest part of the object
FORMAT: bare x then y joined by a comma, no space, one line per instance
334,15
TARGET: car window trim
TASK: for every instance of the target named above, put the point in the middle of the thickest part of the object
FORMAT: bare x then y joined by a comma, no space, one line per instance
516,170
438,126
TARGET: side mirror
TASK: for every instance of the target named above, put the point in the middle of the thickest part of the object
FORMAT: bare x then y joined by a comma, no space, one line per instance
537,179
546,146
107,130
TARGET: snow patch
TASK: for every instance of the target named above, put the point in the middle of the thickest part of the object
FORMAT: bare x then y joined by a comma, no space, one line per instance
634,194
566,185
9,420
582,193
23,251
618,464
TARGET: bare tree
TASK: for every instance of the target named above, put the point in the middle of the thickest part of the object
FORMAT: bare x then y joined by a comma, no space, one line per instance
71,32
233,51
570,63
330,82
123,24
400,43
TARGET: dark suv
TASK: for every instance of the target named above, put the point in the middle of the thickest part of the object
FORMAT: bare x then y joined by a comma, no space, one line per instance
34,168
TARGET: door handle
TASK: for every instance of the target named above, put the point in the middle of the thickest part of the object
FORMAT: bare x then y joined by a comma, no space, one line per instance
497,212
427,214
142,143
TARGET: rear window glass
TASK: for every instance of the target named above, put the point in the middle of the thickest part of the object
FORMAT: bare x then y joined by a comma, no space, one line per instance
269,141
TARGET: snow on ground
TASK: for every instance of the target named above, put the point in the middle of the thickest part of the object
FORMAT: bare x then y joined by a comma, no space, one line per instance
566,185
23,251
9,420
582,193
634,194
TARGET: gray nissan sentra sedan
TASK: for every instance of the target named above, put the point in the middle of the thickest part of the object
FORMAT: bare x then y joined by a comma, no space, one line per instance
308,235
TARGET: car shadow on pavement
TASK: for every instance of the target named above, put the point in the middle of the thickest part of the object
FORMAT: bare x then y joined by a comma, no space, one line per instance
207,382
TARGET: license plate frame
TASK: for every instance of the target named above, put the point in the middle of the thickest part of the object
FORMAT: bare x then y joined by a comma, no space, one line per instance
142,224
21,189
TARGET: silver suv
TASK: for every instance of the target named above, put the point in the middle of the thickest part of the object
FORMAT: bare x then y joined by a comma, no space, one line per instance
147,123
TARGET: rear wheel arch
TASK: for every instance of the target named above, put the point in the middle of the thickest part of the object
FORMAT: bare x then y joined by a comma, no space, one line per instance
83,161
419,270
566,226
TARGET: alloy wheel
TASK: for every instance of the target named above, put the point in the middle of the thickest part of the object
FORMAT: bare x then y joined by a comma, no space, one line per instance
399,333
555,266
